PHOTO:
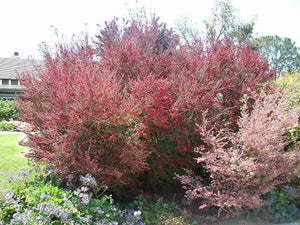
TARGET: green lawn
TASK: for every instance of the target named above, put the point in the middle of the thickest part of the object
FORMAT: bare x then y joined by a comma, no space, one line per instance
11,157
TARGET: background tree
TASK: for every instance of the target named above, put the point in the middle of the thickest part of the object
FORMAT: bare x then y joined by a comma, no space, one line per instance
282,53
225,23
187,30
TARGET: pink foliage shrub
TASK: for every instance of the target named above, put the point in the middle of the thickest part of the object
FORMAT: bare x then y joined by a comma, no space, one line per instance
251,162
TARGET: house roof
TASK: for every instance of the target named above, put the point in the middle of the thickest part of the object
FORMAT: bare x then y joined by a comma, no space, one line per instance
11,68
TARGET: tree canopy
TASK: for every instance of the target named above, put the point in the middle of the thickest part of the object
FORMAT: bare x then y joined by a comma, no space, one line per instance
282,53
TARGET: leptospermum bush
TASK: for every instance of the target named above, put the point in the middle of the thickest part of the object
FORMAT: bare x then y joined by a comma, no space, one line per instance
245,165
84,123
174,85
125,109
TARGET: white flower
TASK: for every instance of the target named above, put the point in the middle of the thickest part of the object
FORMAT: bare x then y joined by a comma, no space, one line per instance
137,213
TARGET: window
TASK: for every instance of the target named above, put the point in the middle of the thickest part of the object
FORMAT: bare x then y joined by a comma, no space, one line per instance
14,82
5,82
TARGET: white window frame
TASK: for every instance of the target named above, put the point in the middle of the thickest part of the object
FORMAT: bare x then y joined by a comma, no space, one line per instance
14,85
5,84
9,82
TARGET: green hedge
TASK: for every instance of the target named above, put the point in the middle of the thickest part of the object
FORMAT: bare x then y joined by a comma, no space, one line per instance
7,109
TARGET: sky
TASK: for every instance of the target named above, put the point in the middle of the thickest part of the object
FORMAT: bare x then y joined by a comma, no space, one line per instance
25,24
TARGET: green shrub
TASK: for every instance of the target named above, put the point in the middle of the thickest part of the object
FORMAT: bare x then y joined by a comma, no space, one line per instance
7,109
291,83
160,212
279,205
4,126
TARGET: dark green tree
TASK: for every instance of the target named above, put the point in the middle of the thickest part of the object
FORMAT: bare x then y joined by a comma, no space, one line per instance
282,53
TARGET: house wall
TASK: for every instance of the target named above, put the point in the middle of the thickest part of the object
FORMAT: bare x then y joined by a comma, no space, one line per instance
10,70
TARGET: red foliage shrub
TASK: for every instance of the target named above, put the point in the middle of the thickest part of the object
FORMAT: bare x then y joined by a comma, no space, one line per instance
245,165
85,126
141,49
175,85
131,105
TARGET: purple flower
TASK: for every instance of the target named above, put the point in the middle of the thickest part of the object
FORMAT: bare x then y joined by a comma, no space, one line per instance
88,180
67,202
48,183
270,201
9,197
52,171
84,199
57,211
20,176
288,189
44,196
113,223
45,207
86,219
70,177
21,218
295,210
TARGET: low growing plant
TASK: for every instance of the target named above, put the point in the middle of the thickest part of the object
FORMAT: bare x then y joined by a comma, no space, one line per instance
279,205
4,126
160,212
42,202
